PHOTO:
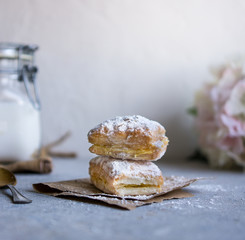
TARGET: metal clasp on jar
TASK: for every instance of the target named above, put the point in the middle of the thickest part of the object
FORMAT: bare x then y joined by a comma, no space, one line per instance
28,75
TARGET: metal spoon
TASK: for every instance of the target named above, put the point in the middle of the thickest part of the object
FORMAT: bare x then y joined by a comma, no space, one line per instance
7,179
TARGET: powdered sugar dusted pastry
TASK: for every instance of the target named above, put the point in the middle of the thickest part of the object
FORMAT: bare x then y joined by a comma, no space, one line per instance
125,177
129,137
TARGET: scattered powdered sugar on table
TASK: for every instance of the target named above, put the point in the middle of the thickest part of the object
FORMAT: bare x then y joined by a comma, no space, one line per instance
183,204
209,201
209,188
117,167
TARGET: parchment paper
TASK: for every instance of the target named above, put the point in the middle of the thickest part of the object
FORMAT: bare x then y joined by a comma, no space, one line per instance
84,189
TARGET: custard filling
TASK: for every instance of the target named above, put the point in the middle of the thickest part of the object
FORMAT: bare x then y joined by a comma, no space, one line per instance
113,149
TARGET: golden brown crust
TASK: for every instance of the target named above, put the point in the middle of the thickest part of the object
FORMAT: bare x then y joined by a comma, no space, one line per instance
129,137
125,177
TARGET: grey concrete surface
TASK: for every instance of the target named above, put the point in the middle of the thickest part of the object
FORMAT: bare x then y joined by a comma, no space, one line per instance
217,211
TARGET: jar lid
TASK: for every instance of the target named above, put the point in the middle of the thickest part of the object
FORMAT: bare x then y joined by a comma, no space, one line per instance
16,51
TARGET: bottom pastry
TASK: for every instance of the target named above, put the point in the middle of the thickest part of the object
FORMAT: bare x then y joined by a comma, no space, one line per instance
125,177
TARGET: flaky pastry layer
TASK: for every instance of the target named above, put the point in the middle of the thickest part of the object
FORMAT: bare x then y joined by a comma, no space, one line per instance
129,137
125,177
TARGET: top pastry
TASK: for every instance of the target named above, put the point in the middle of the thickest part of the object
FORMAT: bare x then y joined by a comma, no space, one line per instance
129,137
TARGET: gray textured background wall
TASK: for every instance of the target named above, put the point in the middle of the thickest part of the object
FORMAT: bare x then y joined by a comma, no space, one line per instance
102,58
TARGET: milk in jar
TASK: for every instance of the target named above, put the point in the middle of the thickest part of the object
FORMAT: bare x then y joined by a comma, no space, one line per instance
20,132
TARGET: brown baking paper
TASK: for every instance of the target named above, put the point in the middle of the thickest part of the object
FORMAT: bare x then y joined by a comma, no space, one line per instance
84,189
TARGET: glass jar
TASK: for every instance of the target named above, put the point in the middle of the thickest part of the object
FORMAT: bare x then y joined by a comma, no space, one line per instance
20,133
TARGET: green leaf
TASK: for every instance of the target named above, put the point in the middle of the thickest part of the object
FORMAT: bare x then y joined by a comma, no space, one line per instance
192,111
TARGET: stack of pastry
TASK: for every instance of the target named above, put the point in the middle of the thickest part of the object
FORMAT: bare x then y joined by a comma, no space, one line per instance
126,147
